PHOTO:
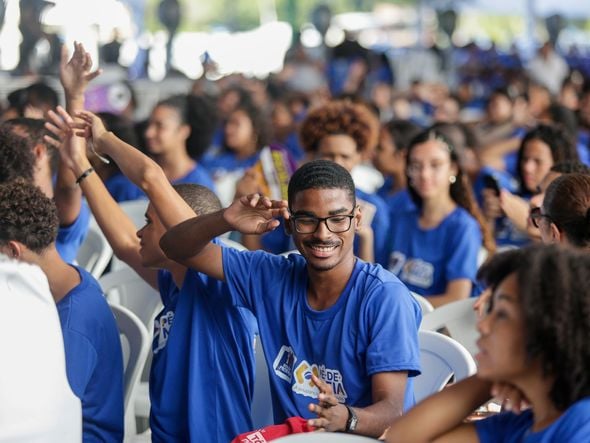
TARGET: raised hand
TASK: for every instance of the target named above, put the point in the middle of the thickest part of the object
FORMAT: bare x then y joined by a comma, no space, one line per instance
332,416
61,125
255,214
75,74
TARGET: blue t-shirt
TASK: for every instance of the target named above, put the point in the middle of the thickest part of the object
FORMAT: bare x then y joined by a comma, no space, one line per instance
572,427
426,260
372,328
122,189
399,202
379,224
198,175
69,238
94,360
202,374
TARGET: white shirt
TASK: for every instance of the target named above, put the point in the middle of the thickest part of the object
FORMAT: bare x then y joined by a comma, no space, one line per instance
36,402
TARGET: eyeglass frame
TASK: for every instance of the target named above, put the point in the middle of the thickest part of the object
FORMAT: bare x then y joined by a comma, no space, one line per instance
535,214
293,218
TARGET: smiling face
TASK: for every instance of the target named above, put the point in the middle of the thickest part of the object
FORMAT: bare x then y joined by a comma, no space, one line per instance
535,164
149,235
430,168
501,344
324,250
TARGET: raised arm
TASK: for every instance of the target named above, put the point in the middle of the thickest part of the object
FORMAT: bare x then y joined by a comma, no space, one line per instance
190,242
440,418
118,228
74,76
141,170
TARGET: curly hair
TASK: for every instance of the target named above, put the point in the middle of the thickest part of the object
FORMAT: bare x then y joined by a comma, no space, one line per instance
461,190
27,216
16,159
336,118
554,291
33,131
562,147
567,204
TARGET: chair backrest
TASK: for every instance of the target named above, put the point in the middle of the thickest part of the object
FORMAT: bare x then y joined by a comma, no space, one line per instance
324,437
459,319
126,288
135,210
425,305
262,413
441,357
95,253
136,344
292,251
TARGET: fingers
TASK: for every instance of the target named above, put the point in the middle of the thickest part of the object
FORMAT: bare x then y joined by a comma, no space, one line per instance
51,141
511,398
321,384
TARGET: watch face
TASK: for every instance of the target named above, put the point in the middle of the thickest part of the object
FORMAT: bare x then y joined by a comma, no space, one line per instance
352,420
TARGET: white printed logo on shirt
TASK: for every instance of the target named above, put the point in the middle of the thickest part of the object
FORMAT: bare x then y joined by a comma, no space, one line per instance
283,364
418,272
162,327
304,385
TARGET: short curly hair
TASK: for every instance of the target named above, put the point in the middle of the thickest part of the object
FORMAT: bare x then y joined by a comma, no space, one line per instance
554,291
16,159
337,118
27,216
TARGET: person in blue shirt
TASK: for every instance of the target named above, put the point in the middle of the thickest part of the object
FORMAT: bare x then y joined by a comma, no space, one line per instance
339,335
202,373
390,160
245,133
346,133
434,248
533,343
541,148
179,130
94,360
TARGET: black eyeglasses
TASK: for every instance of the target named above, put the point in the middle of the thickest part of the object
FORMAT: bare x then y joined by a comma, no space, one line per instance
536,215
306,224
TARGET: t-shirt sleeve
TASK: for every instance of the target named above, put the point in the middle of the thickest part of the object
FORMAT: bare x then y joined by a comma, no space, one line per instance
463,249
380,227
240,269
393,316
81,359
69,238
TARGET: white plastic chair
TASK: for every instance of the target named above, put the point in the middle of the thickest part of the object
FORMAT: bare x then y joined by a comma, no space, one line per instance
262,413
126,288
135,342
441,358
323,437
459,319
135,210
425,305
292,251
95,253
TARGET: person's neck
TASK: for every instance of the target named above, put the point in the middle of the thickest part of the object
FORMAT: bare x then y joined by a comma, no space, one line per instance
44,181
325,287
61,276
399,182
175,164
246,151
435,210
538,392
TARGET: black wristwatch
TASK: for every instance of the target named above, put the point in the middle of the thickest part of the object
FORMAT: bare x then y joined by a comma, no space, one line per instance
352,421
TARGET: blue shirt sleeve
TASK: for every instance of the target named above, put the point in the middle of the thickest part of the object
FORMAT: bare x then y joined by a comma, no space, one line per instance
69,238
80,361
388,319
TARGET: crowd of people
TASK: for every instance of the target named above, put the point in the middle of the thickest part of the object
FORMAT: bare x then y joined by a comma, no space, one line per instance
348,201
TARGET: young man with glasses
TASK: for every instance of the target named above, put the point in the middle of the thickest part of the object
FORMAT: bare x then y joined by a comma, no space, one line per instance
339,335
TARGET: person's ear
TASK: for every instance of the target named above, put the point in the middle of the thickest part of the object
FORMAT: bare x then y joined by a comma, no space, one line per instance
14,250
185,131
556,235
358,217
